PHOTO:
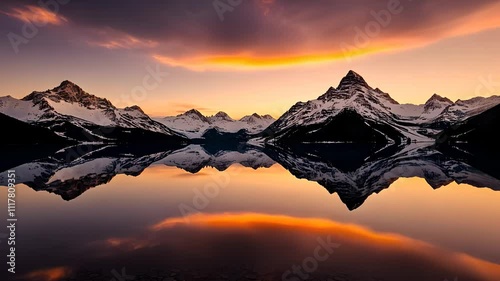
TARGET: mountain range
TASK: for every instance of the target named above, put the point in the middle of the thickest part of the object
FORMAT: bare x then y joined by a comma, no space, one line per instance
194,125
356,112
351,112
78,116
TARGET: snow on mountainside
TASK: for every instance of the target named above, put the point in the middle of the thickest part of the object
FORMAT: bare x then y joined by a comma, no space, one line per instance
440,109
354,95
193,158
193,124
462,110
69,103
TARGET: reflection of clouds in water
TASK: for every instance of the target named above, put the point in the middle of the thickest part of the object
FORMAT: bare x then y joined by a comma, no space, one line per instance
278,242
49,274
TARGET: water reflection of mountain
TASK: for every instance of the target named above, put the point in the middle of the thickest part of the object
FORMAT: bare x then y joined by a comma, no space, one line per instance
68,174
352,171
358,179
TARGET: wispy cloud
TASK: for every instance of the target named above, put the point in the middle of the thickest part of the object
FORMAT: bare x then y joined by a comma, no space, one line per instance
35,15
111,39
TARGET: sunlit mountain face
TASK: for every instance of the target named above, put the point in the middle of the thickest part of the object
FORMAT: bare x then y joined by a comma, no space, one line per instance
257,140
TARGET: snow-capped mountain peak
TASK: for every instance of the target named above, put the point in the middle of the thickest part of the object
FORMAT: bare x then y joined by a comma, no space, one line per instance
435,106
352,79
134,108
438,98
221,116
251,118
70,103
194,124
71,93
195,114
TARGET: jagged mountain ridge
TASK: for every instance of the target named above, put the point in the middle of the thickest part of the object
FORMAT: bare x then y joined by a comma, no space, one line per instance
193,124
389,120
72,113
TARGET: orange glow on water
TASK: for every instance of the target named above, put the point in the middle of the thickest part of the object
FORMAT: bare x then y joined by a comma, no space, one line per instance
50,274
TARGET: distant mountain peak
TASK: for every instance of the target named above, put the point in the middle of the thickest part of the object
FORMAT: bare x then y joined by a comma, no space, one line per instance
193,113
223,116
439,98
352,78
67,83
134,108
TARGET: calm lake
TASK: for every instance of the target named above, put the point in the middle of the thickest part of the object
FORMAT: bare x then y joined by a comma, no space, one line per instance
200,213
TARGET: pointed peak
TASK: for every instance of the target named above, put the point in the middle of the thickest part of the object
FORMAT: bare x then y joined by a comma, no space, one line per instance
439,98
247,118
67,83
134,108
352,78
222,114
193,113
267,116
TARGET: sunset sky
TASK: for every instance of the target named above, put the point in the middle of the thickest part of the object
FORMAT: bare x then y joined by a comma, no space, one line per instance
257,56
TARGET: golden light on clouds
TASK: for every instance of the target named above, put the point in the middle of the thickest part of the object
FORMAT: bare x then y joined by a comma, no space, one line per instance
346,46
36,15
249,62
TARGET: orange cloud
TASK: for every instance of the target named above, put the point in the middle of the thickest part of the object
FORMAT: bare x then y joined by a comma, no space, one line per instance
242,62
50,274
324,50
36,15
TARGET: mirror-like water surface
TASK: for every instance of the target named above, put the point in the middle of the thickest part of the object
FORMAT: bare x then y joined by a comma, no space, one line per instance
196,214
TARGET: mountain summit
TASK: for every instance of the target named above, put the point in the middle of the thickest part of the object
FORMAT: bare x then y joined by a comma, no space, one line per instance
356,112
352,79
71,112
